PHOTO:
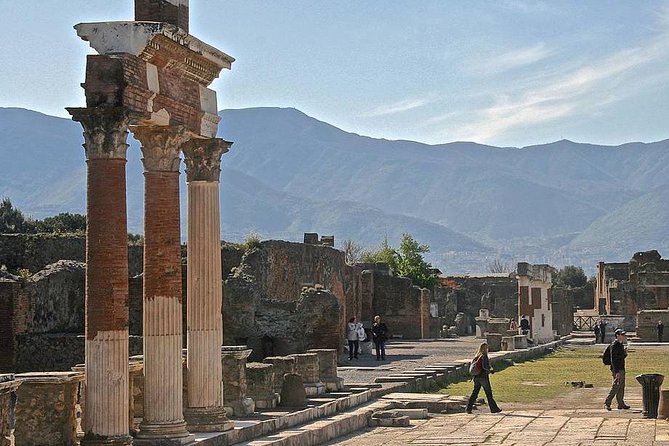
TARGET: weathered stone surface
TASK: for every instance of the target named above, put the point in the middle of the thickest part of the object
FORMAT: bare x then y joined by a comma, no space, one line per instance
45,410
494,341
8,386
260,379
282,365
306,365
266,308
293,393
327,363
235,384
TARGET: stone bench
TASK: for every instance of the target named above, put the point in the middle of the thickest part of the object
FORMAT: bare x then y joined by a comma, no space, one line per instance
307,366
282,365
260,381
327,363
8,387
46,408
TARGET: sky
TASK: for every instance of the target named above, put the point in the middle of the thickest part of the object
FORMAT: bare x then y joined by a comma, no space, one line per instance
504,72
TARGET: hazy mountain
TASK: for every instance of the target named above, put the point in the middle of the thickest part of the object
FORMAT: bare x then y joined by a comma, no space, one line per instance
288,173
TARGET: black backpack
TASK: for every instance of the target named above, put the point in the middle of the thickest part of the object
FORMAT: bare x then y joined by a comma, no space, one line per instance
606,357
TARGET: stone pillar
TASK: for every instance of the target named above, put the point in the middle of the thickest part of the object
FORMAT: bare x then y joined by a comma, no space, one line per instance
46,408
105,135
8,386
261,385
306,365
282,365
424,313
163,379
233,361
204,408
327,365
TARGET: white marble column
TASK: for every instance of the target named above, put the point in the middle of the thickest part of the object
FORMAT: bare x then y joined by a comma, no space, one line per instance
204,410
162,327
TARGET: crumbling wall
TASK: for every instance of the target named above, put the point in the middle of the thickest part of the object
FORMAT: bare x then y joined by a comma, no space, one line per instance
535,299
266,308
397,301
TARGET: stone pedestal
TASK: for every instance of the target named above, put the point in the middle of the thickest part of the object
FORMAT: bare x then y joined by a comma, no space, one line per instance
520,341
293,392
46,408
494,341
498,325
508,343
282,365
306,365
105,136
663,410
205,410
260,379
481,327
233,359
327,364
8,386
162,323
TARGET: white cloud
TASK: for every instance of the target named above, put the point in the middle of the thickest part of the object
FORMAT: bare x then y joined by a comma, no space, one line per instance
396,107
515,58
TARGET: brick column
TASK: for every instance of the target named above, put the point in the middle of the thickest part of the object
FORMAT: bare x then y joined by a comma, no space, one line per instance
163,379
105,135
204,410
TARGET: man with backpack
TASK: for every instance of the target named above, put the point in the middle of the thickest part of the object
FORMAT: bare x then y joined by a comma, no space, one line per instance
614,356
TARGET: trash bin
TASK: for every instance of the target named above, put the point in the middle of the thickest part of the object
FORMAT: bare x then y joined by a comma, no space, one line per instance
650,384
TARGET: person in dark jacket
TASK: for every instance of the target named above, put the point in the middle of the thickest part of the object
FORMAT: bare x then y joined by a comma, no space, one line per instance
602,330
379,336
596,330
618,354
660,331
524,325
482,379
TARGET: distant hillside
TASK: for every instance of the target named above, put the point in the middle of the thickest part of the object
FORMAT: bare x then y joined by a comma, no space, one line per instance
288,173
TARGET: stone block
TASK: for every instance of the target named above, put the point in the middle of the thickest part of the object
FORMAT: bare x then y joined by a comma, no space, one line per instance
8,387
307,366
235,386
508,343
293,393
389,418
327,364
46,408
494,342
520,342
282,365
260,381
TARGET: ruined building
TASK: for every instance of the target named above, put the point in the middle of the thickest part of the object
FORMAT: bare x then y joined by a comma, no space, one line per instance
535,299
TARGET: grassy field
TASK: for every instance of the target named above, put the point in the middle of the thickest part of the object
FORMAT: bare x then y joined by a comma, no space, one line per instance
546,378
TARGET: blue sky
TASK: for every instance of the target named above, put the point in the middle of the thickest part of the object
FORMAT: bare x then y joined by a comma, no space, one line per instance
509,73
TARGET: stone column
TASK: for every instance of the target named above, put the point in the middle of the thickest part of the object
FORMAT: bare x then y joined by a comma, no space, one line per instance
163,379
8,386
424,313
105,135
233,360
204,408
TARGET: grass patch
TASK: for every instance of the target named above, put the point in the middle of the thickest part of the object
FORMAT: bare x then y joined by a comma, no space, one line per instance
545,378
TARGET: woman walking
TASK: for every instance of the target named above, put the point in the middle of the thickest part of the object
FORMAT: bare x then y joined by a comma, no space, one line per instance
481,370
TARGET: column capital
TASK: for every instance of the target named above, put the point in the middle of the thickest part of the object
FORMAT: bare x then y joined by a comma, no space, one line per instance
203,158
160,146
105,131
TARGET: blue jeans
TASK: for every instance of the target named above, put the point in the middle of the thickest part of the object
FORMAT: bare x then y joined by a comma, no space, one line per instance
380,349
482,380
353,347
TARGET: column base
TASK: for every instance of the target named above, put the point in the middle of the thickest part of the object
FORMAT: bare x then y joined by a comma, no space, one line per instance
91,439
207,419
163,434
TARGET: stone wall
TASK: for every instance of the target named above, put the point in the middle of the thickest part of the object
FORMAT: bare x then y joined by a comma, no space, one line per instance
397,301
563,310
535,299
646,328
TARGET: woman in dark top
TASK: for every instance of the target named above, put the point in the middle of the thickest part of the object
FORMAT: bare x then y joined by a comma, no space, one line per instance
379,336
482,379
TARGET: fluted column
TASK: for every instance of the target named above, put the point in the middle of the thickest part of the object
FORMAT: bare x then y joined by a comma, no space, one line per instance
105,135
205,294
163,379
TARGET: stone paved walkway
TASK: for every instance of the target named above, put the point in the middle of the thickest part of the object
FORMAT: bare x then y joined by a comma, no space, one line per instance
520,427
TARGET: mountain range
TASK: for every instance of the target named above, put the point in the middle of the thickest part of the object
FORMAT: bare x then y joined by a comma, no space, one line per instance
288,173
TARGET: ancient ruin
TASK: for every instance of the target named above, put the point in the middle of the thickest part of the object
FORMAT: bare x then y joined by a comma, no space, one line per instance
535,299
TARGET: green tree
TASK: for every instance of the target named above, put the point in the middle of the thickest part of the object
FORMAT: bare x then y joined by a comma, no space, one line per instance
407,261
12,220
412,264
570,277
63,223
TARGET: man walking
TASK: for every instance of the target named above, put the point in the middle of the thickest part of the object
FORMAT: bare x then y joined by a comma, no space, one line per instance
618,353
602,330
